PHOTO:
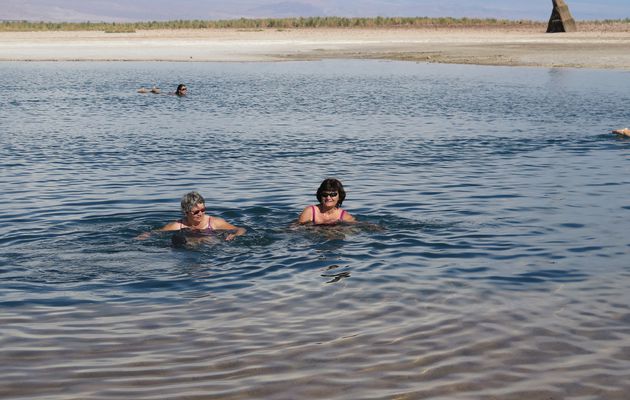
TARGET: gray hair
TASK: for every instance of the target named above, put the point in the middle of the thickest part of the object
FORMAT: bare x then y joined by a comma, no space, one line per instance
191,199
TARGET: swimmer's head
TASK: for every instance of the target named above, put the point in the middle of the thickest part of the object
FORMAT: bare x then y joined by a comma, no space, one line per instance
331,185
190,200
181,90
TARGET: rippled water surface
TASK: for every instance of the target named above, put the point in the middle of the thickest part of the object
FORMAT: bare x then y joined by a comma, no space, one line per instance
491,261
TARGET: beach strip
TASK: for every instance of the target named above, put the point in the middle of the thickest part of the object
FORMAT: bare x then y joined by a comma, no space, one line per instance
514,47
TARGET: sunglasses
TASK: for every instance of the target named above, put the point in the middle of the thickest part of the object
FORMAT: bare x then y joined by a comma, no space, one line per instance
329,194
199,211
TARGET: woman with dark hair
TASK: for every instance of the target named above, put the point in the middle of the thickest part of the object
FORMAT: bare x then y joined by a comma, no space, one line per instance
330,196
181,90
195,219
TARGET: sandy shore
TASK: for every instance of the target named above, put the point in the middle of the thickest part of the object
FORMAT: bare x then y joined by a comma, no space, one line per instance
496,46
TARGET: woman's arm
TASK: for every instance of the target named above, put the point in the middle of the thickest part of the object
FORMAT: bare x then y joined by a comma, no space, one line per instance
221,224
306,216
171,226
348,218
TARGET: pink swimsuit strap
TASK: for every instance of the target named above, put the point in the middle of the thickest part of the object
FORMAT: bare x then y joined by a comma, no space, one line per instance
208,228
339,219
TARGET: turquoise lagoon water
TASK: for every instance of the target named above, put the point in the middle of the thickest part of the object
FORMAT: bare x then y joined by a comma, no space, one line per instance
500,269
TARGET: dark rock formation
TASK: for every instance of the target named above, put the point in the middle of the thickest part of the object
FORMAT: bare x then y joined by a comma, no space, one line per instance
561,19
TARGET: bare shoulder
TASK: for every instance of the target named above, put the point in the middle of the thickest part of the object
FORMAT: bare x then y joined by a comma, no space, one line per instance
220,223
306,215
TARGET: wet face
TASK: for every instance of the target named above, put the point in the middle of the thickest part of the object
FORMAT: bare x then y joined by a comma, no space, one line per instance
329,198
197,212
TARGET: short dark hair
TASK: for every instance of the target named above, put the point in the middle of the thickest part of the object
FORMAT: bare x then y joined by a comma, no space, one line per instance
331,184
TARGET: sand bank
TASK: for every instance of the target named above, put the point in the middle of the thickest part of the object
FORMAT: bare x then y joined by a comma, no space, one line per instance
494,46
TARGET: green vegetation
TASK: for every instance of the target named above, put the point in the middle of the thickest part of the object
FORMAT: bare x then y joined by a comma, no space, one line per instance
612,21
279,23
243,23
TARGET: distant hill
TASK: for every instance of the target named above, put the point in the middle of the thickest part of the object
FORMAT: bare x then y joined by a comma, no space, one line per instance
164,10
160,10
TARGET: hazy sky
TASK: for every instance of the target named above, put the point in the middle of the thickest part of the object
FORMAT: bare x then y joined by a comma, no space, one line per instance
144,10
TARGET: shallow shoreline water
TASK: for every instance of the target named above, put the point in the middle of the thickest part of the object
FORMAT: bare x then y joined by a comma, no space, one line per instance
500,272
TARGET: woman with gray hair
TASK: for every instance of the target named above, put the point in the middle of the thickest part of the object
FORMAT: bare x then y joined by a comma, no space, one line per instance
195,219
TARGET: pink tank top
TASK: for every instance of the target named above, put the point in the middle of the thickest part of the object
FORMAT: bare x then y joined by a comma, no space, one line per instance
339,219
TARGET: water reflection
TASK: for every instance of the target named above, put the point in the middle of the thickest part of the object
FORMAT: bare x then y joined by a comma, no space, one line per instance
491,233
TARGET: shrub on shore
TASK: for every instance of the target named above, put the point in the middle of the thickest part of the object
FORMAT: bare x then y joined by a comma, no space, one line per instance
302,22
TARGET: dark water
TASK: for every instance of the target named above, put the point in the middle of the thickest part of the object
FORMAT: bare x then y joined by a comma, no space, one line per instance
501,268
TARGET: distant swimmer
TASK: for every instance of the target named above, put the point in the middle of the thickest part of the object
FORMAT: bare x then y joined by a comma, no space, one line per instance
330,196
154,90
624,132
181,90
196,220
